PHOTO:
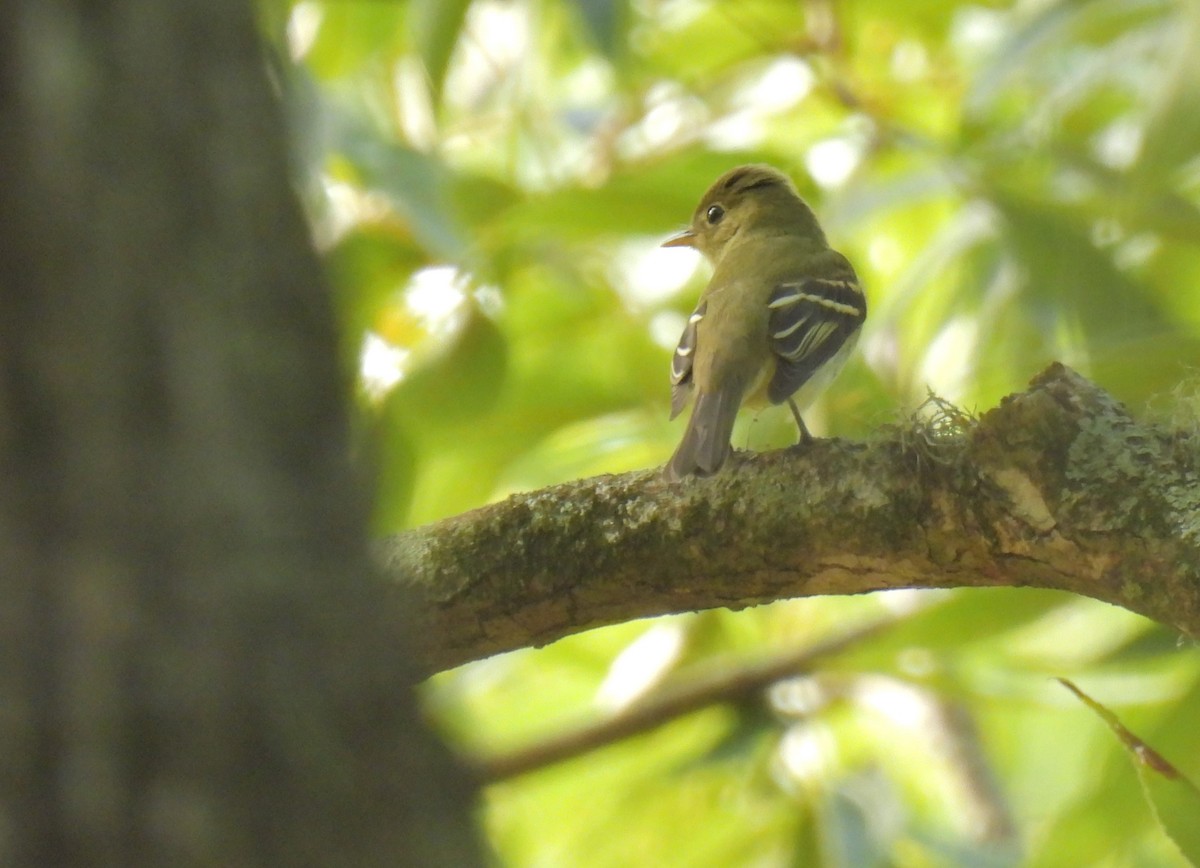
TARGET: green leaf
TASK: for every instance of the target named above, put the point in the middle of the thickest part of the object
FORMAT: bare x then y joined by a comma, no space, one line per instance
352,34
448,445
462,383
851,839
1173,134
959,623
1072,289
602,444
393,456
605,20
435,26
1174,797
417,185
367,266
646,200
697,47
1065,42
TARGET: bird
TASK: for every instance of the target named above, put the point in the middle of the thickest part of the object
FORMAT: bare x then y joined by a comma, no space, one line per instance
778,319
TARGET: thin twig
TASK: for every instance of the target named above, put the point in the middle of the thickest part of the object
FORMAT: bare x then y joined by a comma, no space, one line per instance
726,684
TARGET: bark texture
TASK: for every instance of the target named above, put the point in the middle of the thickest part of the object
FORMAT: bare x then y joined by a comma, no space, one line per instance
1058,487
200,665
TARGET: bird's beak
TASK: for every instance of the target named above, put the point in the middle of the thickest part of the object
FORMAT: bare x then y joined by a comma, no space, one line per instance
686,238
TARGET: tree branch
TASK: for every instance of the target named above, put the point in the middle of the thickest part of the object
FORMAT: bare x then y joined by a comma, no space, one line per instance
1058,487
725,682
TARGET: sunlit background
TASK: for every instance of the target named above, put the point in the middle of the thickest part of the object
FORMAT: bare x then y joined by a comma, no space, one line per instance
1015,184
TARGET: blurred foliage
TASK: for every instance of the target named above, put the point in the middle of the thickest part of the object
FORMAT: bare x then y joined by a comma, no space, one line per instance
1176,799
1016,183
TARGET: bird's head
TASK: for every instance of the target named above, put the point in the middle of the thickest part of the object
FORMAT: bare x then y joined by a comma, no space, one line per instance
748,199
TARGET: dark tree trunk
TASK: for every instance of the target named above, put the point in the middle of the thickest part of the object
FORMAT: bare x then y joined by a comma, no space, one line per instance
199,665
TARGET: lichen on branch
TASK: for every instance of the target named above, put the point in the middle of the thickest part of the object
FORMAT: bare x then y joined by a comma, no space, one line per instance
1057,487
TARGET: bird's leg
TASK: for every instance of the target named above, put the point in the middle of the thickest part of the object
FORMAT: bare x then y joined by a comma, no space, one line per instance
805,437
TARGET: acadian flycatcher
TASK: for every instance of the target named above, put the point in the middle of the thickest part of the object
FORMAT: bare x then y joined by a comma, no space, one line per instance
780,316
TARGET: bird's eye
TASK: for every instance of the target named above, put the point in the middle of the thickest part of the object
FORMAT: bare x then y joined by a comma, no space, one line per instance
714,214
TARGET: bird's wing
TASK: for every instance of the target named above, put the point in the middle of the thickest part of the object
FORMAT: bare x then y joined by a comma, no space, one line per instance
681,362
809,320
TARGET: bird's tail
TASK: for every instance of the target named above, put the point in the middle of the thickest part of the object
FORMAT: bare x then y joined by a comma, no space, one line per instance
705,444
